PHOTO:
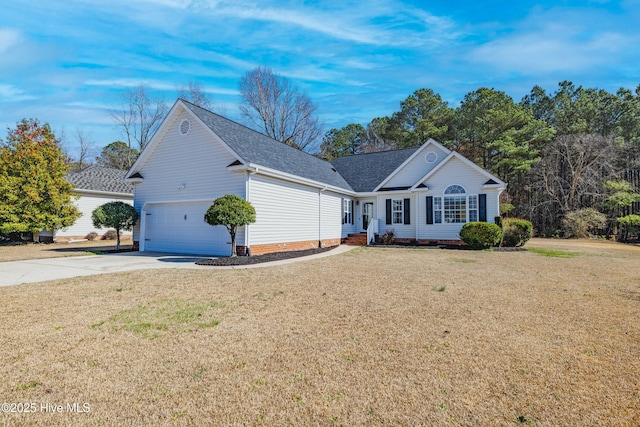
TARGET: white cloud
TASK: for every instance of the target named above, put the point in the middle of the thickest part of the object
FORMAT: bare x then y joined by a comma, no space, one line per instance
550,42
129,83
8,39
382,23
12,93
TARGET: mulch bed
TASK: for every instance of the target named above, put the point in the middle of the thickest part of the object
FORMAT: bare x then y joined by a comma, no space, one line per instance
246,260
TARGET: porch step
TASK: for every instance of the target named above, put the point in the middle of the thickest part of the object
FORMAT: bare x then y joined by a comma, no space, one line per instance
356,239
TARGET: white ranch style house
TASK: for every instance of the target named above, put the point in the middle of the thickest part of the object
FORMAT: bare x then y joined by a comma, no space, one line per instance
93,186
423,194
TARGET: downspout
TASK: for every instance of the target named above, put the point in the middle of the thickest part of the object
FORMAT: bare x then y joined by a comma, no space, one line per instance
413,191
498,202
143,228
320,191
247,192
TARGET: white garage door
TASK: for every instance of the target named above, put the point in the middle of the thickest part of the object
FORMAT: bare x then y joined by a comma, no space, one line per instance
180,228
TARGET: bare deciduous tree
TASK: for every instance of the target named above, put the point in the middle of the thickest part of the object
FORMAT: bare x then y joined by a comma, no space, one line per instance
85,149
273,104
570,175
139,116
195,94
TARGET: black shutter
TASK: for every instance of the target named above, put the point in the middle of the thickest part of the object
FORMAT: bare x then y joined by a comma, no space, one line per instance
482,207
388,211
407,211
352,213
342,209
429,209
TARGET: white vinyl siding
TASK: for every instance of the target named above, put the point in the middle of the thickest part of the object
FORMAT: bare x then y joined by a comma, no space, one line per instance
406,231
285,212
459,173
86,204
330,221
416,168
186,168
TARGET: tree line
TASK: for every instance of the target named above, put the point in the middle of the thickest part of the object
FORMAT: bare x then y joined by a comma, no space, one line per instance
560,152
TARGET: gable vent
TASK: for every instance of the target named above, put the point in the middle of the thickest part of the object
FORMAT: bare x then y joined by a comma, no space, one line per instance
431,157
185,127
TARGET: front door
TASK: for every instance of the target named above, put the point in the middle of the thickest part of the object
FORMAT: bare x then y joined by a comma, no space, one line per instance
367,214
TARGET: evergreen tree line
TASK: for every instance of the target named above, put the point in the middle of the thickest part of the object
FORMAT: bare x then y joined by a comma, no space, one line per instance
559,152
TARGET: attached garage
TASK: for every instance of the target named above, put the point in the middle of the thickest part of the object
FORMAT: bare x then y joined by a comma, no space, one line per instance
180,227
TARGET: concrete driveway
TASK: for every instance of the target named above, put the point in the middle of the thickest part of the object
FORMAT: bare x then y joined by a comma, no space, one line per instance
39,270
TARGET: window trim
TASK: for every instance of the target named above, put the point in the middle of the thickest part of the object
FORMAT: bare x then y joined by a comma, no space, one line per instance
397,211
455,191
347,211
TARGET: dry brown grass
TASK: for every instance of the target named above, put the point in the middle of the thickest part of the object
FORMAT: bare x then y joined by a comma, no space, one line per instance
56,250
380,337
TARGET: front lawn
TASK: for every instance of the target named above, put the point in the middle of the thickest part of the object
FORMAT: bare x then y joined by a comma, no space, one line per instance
25,251
382,337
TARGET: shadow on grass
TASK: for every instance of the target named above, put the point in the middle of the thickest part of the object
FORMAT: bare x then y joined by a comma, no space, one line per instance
98,250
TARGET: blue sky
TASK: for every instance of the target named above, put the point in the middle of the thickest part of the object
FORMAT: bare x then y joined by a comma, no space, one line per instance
69,62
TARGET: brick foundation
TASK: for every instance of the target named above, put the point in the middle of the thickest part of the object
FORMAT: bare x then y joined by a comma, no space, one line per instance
440,242
290,246
427,242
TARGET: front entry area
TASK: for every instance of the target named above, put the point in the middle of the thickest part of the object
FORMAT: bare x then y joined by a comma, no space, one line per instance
367,214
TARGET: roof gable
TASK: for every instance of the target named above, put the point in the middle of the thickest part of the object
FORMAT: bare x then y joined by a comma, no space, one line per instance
455,155
365,172
102,179
421,161
251,148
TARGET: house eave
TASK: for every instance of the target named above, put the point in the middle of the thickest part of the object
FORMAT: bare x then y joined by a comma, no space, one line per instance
81,192
420,149
261,170
364,194
494,187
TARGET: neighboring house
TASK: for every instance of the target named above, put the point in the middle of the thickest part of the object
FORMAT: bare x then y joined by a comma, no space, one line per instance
94,186
423,194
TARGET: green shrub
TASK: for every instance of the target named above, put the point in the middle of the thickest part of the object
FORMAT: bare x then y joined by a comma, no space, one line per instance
516,232
582,223
630,225
481,235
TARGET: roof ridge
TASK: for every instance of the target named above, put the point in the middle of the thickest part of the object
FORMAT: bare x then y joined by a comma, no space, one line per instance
255,147
253,130
229,120
379,152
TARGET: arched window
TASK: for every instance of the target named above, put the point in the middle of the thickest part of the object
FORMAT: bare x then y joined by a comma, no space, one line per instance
454,189
455,207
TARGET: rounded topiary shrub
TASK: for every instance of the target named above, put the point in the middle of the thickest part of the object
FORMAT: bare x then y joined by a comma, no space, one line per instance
480,235
516,232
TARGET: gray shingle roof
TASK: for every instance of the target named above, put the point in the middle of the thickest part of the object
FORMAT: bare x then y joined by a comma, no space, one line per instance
364,172
254,147
98,178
